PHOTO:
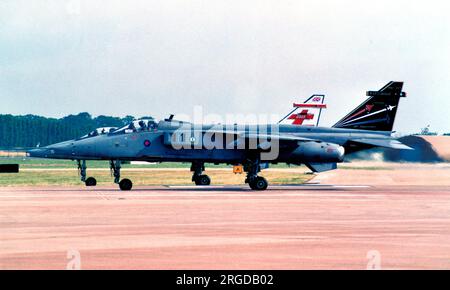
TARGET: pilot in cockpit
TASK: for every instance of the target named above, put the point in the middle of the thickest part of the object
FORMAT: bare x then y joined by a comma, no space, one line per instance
132,127
142,125
93,133
151,125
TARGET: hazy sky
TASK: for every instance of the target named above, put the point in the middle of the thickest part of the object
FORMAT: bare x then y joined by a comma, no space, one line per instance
159,57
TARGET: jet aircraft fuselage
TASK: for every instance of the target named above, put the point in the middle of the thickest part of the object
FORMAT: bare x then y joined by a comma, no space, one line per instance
319,148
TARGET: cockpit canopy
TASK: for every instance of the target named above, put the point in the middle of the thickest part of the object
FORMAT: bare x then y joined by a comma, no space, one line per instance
138,126
99,131
133,127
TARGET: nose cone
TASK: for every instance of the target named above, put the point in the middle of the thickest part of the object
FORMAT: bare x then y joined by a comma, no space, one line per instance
58,151
38,153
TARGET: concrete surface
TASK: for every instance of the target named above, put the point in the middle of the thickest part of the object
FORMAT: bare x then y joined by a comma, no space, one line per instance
337,222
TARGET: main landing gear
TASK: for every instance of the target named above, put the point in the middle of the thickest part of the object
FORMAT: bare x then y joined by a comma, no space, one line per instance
115,165
198,177
252,167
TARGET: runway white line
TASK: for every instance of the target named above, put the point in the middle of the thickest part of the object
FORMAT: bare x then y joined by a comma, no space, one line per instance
203,187
351,186
196,194
299,186
233,186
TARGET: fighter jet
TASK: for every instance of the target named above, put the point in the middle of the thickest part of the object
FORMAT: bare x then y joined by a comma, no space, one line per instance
319,148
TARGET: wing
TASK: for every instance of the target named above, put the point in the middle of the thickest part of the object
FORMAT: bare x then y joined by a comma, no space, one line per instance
280,137
262,139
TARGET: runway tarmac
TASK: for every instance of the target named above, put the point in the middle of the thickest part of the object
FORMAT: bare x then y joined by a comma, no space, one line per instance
323,225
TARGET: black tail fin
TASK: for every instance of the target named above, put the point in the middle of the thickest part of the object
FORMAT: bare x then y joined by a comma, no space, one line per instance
378,112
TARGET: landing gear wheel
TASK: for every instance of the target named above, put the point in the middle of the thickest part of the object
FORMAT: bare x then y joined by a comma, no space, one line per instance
125,184
259,183
202,180
91,181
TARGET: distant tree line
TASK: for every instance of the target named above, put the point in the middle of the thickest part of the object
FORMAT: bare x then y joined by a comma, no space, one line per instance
30,130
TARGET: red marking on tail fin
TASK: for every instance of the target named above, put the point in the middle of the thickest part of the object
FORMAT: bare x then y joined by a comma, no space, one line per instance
300,117
356,114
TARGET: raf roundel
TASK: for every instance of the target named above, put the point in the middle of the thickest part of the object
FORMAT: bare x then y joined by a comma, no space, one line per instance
147,143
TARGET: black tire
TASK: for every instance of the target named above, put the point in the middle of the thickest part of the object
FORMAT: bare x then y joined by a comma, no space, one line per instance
259,183
91,181
203,180
125,184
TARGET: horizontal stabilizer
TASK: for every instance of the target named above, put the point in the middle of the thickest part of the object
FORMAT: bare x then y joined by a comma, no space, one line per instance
393,144
321,167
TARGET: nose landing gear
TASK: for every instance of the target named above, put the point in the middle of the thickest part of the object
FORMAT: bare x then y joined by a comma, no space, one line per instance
124,184
90,181
115,165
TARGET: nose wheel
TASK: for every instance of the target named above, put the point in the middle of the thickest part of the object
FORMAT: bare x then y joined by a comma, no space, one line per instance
125,184
90,181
